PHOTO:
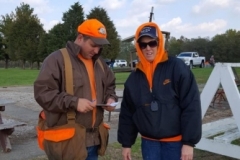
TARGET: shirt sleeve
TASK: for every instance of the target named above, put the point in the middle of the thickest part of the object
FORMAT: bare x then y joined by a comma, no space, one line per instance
191,119
48,87
127,131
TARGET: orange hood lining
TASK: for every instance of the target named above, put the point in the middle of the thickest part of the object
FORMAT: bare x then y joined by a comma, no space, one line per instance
147,67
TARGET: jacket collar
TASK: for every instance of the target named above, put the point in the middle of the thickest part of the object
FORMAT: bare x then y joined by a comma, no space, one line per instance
76,49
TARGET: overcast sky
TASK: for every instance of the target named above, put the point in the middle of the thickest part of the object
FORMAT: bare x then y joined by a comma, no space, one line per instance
190,18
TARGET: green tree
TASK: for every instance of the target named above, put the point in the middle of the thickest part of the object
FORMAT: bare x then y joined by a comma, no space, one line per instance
23,36
1,47
56,38
232,45
5,28
199,45
127,50
71,20
113,50
236,46
32,45
42,52
219,48
174,46
66,31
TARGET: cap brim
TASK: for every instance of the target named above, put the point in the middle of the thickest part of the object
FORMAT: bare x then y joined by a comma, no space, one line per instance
100,41
148,35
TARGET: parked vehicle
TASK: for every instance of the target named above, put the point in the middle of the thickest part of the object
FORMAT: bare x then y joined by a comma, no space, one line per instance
107,61
192,59
133,63
120,63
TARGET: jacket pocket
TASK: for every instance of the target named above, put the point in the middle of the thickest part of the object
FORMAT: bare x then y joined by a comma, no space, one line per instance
65,142
165,122
104,136
59,134
170,120
148,121
40,137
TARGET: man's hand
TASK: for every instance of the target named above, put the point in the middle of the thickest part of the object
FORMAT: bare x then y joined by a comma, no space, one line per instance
187,152
126,153
109,108
84,105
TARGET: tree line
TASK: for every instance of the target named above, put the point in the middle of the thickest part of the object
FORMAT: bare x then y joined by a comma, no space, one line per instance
225,47
22,38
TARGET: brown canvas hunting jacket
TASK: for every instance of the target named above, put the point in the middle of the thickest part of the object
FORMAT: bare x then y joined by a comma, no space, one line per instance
50,92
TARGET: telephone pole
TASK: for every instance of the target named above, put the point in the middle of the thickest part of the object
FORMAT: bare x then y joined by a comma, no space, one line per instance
151,14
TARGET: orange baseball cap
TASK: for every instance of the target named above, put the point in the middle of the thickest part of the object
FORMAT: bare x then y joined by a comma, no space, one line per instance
95,30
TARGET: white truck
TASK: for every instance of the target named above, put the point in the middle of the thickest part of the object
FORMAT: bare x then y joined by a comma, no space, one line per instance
192,59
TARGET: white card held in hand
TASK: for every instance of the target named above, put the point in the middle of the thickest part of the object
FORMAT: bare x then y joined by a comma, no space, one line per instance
114,104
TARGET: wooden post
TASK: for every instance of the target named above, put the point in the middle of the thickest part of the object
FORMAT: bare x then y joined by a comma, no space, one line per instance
4,140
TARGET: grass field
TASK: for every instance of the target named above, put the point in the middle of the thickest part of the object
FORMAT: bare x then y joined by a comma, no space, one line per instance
17,77
20,77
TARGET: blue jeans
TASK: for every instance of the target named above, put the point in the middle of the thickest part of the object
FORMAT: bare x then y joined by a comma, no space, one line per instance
156,150
92,153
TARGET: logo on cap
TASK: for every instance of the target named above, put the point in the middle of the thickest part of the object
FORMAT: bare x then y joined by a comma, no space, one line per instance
102,30
149,31
146,30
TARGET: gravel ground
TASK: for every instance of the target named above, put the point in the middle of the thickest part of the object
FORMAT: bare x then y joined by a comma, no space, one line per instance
22,96
26,110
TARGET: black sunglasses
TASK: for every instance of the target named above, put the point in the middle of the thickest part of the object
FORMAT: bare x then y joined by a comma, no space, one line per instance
151,44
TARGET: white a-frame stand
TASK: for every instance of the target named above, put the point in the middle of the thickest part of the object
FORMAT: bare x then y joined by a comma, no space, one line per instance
223,131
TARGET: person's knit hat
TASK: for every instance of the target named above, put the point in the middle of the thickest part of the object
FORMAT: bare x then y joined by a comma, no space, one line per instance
95,30
149,31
